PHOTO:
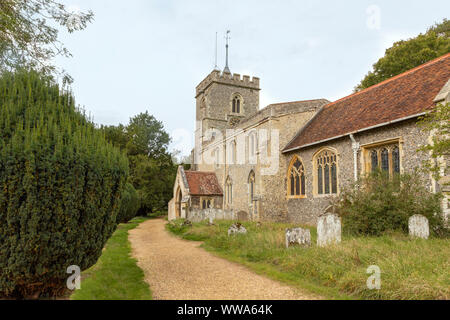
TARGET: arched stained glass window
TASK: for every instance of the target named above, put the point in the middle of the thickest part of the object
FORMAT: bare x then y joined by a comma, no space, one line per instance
384,157
326,179
296,178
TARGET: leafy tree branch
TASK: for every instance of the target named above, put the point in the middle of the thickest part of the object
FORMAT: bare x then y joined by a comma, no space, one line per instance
29,37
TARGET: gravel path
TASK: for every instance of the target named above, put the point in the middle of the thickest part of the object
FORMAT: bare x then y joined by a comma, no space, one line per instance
177,269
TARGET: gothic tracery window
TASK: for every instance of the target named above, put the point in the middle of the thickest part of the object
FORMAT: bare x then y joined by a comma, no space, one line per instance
296,179
385,158
326,175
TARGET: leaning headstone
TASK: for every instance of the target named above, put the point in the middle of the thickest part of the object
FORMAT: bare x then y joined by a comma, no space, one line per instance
419,227
237,228
329,230
298,236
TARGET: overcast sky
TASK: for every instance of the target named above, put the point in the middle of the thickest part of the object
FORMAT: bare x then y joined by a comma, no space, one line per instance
148,55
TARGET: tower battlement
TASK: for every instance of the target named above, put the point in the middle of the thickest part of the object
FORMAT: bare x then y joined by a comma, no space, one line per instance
228,79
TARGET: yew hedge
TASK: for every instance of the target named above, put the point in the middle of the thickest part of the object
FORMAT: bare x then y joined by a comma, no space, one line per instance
60,186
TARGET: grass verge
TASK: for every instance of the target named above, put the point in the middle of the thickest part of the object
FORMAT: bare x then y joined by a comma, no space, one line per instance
116,275
410,269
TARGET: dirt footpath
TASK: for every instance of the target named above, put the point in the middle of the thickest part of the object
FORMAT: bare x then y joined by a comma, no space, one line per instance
178,269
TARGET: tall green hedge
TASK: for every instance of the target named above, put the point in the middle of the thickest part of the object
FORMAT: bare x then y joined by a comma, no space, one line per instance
129,204
60,186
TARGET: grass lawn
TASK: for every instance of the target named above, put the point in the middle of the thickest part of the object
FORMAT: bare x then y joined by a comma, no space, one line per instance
410,269
116,275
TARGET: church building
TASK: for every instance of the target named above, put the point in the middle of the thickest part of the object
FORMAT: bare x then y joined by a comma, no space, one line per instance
288,161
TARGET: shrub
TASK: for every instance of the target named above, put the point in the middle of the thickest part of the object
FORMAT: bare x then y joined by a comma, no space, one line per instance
383,204
60,186
129,204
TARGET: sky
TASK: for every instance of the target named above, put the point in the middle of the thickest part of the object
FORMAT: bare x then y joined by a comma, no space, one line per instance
149,55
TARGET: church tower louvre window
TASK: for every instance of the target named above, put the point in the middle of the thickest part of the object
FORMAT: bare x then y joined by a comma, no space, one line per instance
236,104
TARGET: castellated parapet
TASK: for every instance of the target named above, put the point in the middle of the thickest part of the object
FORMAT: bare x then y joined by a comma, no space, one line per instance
228,79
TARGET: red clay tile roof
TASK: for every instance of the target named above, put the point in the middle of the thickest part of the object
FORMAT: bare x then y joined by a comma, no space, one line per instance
203,183
407,94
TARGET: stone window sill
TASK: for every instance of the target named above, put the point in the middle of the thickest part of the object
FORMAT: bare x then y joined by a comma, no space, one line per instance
296,197
326,195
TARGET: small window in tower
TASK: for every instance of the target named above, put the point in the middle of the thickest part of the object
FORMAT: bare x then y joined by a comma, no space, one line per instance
236,104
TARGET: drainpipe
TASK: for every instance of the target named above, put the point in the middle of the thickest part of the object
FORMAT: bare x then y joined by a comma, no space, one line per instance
355,147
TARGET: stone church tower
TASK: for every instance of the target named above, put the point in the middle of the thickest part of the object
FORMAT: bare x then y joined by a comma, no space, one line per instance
223,99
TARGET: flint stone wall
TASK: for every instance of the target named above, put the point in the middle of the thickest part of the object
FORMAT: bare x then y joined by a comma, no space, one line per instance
307,211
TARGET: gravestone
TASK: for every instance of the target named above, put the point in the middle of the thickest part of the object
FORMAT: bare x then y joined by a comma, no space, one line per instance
329,230
419,227
237,228
298,236
210,215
